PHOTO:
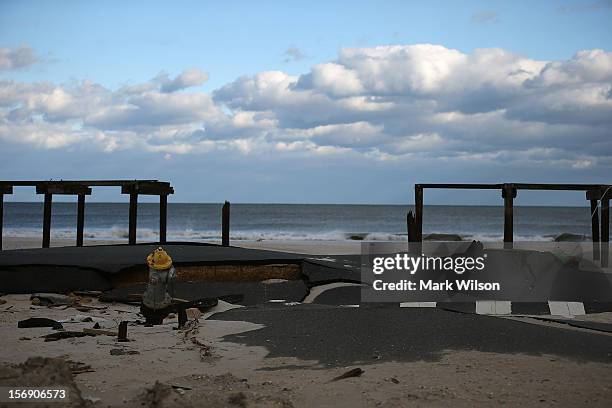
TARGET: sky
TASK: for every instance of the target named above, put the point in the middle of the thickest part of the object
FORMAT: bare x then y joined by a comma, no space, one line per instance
308,102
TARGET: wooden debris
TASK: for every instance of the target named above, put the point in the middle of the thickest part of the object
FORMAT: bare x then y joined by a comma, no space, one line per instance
355,372
96,332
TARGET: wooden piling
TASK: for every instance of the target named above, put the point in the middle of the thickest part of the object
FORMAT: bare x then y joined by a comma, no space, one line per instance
122,334
225,224
508,194
80,219
418,209
1,217
605,228
133,218
163,217
4,189
46,239
593,196
411,227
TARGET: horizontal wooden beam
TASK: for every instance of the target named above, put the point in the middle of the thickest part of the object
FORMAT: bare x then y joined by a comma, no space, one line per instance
92,183
147,189
519,186
468,186
63,189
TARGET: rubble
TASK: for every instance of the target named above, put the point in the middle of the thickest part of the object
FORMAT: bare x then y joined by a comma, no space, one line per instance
51,299
39,322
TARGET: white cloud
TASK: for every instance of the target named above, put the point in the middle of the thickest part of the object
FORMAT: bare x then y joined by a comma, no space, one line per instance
378,103
186,79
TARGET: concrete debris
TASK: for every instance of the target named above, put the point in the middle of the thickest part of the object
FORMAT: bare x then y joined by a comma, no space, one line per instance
51,299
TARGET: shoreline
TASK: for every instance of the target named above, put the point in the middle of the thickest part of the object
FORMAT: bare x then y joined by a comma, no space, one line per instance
297,246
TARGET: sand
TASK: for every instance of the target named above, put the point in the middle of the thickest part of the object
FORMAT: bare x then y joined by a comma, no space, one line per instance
304,247
164,367
204,368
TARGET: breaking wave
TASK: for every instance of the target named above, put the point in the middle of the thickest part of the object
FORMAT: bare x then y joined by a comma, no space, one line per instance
148,234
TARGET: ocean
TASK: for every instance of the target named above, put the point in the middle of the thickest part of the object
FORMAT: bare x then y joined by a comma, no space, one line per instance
202,222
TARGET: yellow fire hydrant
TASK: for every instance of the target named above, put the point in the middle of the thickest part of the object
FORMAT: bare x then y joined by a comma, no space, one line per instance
157,298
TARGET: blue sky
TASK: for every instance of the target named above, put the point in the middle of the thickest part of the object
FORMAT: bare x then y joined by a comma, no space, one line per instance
271,93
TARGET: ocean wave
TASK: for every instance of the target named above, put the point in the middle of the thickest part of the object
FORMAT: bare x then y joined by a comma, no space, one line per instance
149,234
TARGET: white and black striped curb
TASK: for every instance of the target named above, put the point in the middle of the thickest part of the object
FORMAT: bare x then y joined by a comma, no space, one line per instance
497,307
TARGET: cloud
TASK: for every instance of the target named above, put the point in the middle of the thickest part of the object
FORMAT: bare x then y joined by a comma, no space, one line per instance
484,16
186,79
293,54
399,103
17,58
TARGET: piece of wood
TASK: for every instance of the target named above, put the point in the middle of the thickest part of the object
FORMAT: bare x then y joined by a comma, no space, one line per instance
46,239
418,209
508,194
147,189
595,228
605,230
519,186
355,372
225,224
122,333
80,219
101,183
97,332
163,217
133,218
1,217
68,189
411,226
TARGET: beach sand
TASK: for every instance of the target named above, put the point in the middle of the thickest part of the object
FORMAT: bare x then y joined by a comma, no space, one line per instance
236,375
198,367
304,247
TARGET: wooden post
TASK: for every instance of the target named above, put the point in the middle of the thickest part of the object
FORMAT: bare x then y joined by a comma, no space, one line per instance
46,239
133,216
411,226
4,189
163,217
593,196
1,217
418,209
122,332
80,219
508,194
605,228
225,224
